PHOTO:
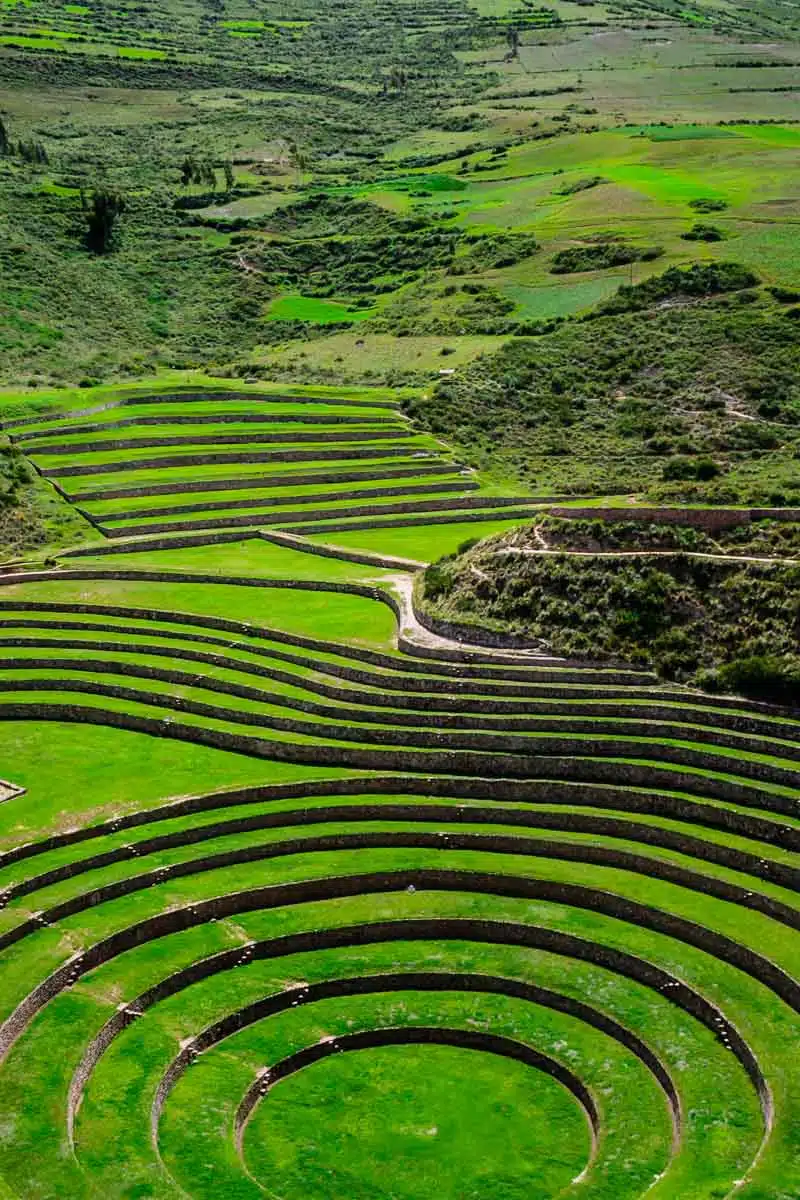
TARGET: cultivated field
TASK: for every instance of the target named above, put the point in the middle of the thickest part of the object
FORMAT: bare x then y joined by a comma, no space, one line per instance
341,857
259,818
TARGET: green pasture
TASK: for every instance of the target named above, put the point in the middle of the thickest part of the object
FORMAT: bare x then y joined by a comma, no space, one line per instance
321,312
321,614
426,544
87,772
399,1119
409,144
355,354
249,557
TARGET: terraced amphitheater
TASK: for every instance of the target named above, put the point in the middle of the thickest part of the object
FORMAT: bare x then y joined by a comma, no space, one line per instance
304,898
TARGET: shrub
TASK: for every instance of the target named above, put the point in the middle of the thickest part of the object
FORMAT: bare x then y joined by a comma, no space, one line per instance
706,204
601,256
698,280
763,675
703,233
581,185
784,295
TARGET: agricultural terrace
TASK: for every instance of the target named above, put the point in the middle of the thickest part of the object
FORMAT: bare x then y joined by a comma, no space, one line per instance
399,746
300,893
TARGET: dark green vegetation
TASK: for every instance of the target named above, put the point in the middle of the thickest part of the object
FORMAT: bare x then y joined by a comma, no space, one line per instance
299,896
721,609
178,186
32,516
599,255
673,391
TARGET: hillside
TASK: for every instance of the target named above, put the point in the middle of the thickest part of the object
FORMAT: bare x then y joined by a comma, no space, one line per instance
693,397
718,609
409,183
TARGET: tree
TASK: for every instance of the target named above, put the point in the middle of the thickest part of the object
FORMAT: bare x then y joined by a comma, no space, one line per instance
512,38
297,158
5,144
188,170
102,214
300,163
398,78
227,167
32,152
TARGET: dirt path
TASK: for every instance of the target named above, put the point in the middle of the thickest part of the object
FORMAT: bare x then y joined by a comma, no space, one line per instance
720,558
402,587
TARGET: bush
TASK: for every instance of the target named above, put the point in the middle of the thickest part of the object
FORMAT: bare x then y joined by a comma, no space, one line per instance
705,204
703,233
601,256
784,295
581,185
698,280
764,675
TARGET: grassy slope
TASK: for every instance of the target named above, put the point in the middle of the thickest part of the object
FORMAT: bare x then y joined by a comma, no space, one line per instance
191,287
636,401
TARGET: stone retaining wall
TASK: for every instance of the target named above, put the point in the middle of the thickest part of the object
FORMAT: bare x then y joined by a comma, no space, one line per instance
227,439
493,933
512,514
299,478
424,709
501,674
470,791
198,460
455,505
596,826
600,770
471,730
221,418
174,510
658,921
477,635
511,845
193,397
435,1035
709,519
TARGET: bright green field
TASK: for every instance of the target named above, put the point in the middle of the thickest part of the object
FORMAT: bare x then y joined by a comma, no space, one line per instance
307,308
393,1126
257,807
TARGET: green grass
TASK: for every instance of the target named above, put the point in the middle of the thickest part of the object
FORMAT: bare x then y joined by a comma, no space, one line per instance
262,560
400,1129
320,614
408,120
112,771
322,312
425,544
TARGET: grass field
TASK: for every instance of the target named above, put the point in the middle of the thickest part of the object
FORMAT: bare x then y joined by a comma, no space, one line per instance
314,884
463,872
